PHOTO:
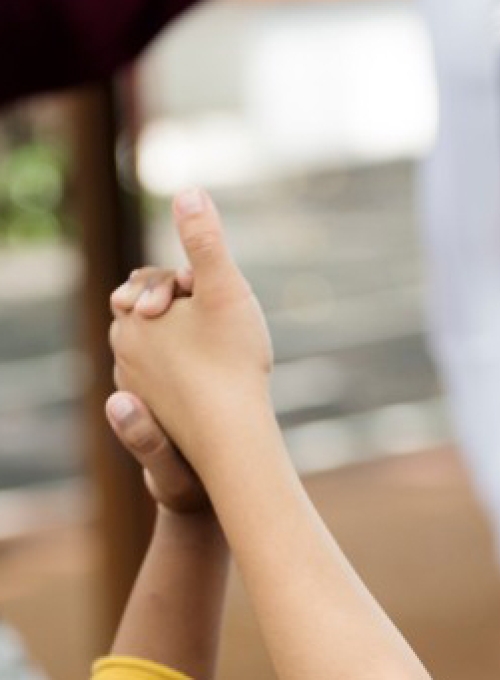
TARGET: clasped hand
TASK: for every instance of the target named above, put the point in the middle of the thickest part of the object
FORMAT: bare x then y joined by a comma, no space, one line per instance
193,346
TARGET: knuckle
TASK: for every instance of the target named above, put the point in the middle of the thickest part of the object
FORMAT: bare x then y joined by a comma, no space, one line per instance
168,277
139,274
150,273
202,242
144,438
157,279
152,278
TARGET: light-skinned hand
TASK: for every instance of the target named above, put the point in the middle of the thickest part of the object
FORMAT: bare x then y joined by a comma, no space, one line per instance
210,354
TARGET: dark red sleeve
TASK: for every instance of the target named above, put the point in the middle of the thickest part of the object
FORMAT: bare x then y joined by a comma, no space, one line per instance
51,44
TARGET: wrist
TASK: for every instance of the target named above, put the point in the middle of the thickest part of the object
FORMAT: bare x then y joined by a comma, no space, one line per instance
197,529
239,443
206,427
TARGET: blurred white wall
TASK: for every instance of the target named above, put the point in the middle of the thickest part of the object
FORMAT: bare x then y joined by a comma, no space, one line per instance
196,65
237,93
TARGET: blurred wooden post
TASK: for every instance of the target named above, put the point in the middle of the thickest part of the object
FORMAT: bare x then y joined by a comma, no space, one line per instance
111,236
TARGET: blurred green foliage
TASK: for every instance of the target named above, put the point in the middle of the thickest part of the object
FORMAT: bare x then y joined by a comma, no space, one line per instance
32,193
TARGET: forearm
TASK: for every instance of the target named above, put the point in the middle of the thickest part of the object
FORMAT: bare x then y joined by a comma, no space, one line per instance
318,620
174,613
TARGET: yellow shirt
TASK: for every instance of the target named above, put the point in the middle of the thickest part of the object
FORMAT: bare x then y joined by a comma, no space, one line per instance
126,668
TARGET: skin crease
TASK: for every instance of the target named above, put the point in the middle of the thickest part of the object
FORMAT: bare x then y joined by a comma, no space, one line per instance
203,369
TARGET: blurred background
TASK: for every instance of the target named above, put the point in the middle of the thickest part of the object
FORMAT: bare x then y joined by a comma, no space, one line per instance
307,121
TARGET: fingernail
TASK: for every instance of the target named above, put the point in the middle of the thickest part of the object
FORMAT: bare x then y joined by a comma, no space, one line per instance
144,298
190,203
122,292
121,407
146,294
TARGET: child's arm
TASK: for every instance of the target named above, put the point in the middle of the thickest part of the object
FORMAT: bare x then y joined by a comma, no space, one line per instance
174,612
203,369
318,619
